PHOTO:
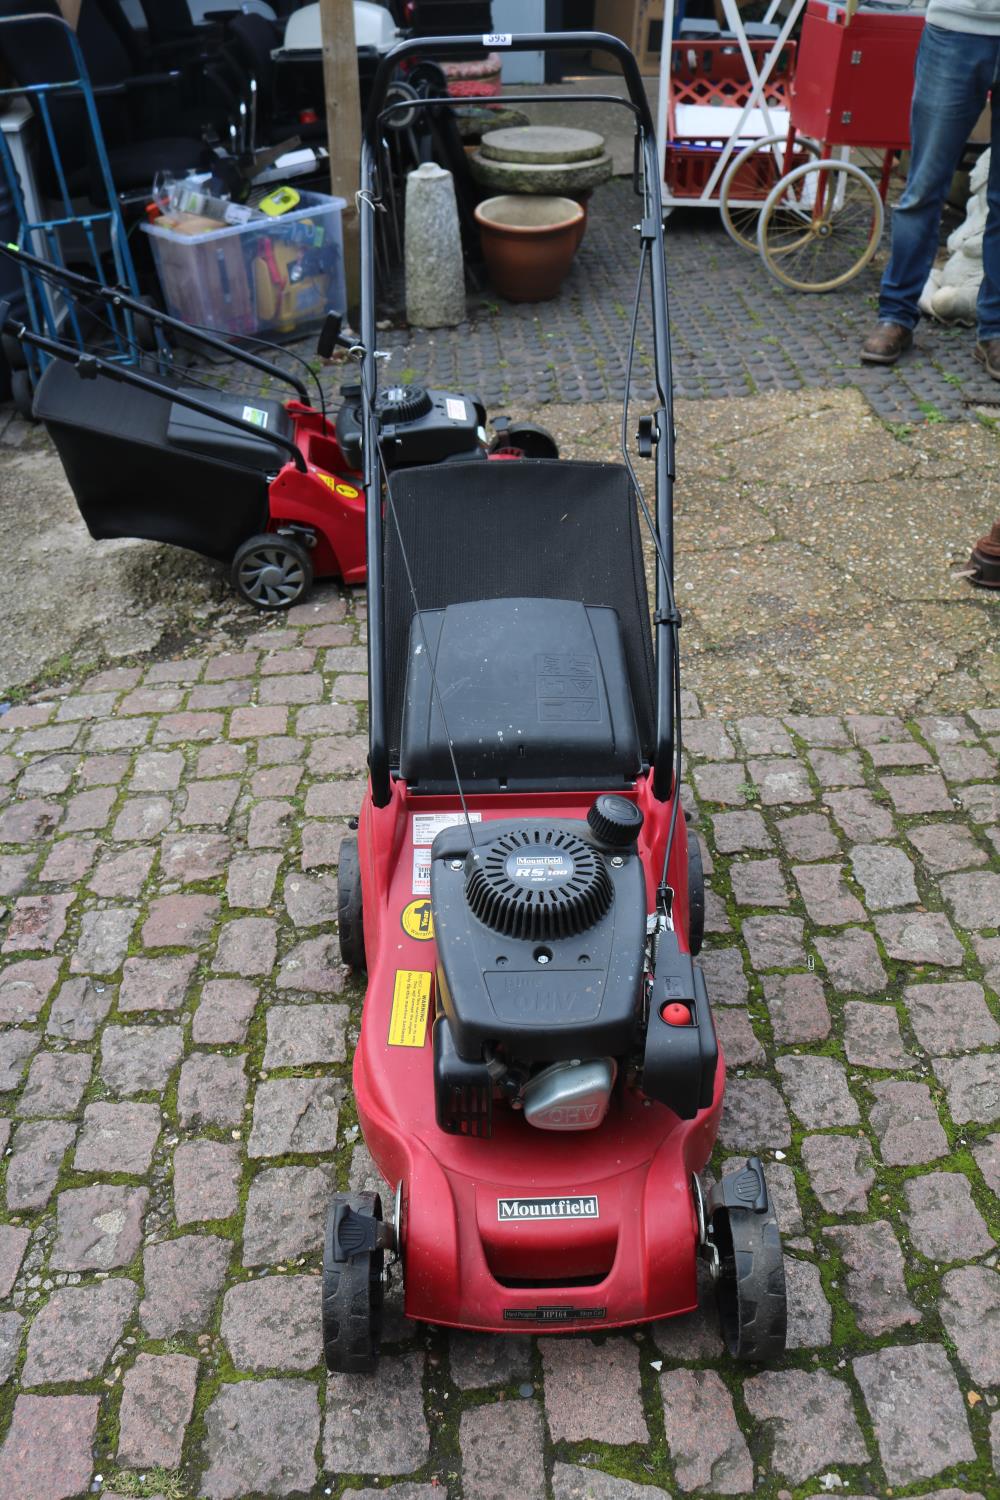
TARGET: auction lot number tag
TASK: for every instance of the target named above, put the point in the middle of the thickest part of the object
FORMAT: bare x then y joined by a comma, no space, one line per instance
496,38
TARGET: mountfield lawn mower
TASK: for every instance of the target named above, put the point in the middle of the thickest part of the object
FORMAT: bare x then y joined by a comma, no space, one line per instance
538,1076
271,488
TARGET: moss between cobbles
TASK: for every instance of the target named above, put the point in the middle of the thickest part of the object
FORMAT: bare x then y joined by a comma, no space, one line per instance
153,1481
922,1282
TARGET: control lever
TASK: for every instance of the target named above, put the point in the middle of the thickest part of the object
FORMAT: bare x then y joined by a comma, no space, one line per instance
331,335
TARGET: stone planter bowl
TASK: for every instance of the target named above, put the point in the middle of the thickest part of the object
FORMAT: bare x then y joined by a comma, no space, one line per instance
528,243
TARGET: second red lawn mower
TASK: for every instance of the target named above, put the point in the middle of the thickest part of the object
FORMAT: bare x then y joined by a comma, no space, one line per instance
538,1076
271,488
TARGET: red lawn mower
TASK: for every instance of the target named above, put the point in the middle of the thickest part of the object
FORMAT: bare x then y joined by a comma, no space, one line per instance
538,1075
271,488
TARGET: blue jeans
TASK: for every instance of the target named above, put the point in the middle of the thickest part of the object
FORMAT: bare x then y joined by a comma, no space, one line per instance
955,72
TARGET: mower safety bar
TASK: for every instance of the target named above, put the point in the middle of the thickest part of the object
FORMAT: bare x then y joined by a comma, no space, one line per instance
116,297
535,41
650,229
90,365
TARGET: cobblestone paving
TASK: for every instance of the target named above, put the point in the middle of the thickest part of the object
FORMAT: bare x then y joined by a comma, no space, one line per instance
735,331
175,1107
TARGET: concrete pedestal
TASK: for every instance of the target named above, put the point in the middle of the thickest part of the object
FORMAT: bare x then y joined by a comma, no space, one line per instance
435,277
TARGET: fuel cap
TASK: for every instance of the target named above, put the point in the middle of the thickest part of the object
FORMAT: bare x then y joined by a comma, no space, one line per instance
615,821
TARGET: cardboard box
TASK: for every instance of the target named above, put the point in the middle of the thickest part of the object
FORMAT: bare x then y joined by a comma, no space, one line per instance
638,23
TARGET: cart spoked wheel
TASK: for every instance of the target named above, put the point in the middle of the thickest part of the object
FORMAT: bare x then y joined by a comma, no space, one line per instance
352,1288
820,226
272,572
350,915
696,895
750,1285
752,173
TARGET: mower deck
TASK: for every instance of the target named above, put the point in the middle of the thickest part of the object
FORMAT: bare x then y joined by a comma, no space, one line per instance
529,1228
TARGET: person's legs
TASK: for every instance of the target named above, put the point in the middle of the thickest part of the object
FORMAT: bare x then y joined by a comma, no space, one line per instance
988,304
955,71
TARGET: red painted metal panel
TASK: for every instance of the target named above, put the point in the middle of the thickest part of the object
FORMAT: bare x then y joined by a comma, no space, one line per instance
853,83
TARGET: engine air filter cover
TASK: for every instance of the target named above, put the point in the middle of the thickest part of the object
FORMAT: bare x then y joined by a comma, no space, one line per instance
538,883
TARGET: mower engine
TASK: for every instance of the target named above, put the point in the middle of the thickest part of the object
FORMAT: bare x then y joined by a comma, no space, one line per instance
418,426
546,977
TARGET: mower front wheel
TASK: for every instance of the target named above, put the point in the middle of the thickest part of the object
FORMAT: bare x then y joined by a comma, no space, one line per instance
352,1296
350,913
272,572
750,1286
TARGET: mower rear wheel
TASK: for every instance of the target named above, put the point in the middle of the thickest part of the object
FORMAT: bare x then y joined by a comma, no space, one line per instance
350,913
750,1288
352,1296
696,895
272,572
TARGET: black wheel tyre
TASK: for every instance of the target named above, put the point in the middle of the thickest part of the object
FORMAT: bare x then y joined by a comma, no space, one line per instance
350,916
429,79
533,441
397,93
352,1297
22,394
272,572
696,895
750,1289
13,352
145,328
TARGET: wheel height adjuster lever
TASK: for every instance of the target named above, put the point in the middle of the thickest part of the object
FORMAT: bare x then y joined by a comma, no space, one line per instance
358,1234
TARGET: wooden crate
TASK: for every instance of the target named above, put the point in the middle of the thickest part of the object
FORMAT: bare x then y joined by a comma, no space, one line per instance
638,23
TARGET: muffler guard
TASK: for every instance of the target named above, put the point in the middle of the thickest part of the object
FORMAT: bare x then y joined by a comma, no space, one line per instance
570,1095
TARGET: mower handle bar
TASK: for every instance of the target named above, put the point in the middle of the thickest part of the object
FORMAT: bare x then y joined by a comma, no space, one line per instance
116,297
534,41
91,365
647,183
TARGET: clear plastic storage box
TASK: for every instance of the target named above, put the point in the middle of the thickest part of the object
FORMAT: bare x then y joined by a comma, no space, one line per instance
277,277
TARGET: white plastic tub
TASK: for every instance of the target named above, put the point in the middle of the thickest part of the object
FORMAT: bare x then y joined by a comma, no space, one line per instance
275,277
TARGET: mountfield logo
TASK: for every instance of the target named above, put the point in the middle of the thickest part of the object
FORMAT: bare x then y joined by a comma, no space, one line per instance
581,1206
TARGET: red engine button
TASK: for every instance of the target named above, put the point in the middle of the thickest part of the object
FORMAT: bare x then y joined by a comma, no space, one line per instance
676,1014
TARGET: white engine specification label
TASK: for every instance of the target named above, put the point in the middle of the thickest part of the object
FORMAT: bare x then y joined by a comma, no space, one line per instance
427,826
455,409
422,872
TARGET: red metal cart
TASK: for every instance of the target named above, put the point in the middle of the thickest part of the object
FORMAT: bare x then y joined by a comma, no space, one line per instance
819,221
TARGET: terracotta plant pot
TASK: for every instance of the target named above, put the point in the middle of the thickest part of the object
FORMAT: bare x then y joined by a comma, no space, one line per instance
583,199
528,243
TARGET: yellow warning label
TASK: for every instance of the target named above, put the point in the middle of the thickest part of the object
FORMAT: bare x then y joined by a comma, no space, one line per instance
411,998
417,920
338,486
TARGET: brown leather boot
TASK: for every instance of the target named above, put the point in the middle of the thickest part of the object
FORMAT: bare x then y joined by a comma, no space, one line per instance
885,344
988,354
